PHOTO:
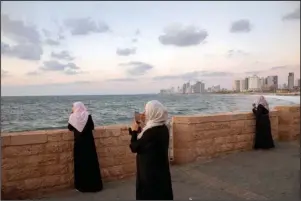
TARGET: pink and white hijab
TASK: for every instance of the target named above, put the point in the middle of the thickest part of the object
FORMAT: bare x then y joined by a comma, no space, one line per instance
79,118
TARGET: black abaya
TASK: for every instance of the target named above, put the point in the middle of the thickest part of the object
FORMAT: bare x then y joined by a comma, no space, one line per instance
263,135
87,176
153,179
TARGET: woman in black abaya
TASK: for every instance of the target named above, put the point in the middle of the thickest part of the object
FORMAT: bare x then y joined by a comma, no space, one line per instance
263,135
87,177
153,179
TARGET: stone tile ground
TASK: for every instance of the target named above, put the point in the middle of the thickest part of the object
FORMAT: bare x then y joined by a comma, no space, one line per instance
253,175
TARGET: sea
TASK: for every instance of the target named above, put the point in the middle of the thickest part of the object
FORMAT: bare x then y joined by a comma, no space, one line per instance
52,112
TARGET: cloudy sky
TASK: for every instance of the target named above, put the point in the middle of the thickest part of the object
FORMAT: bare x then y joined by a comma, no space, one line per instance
66,48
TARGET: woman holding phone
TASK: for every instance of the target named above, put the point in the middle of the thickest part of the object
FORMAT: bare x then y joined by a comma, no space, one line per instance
151,144
263,135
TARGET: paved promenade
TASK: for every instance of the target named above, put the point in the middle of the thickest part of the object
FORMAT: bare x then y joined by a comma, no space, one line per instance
253,175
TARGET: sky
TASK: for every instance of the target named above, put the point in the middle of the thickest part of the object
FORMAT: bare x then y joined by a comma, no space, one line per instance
92,48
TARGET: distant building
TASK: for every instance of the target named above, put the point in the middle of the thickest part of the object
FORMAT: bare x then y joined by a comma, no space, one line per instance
243,85
184,89
253,83
247,83
272,82
261,83
290,81
197,87
203,87
297,83
236,85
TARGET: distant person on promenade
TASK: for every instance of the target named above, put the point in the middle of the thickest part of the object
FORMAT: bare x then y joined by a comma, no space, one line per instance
151,144
263,135
87,176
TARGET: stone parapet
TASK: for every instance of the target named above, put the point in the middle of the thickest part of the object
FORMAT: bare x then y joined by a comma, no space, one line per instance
38,162
35,163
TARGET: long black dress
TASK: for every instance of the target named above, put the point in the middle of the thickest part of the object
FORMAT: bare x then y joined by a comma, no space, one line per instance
87,176
153,179
263,136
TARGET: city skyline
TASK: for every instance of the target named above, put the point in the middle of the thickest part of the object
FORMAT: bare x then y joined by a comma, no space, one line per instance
59,48
269,83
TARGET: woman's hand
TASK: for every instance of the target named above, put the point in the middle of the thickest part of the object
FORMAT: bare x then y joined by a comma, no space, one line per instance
135,126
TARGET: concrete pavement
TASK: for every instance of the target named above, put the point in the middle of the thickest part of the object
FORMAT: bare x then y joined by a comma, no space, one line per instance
252,175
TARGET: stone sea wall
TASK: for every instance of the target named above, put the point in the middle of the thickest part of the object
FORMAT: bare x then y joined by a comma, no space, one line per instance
40,162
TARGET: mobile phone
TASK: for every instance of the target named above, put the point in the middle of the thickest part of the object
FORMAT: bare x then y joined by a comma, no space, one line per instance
137,117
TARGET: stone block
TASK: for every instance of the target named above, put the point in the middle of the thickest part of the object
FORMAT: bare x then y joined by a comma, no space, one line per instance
55,137
23,150
22,173
34,160
29,138
58,169
124,139
182,156
116,151
129,168
226,147
212,126
106,162
5,140
182,132
206,143
108,142
249,123
66,158
183,144
237,124
59,147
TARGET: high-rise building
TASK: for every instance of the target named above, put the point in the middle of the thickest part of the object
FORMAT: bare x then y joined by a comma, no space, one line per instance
290,81
272,82
184,89
253,83
197,87
236,85
261,83
202,87
247,83
243,85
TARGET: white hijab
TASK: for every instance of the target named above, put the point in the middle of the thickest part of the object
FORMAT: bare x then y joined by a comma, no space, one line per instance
262,101
155,115
78,119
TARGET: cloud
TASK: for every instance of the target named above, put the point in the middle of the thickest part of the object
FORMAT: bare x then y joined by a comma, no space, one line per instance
84,26
22,51
295,15
68,69
46,33
194,75
278,67
4,73
134,40
33,73
126,51
182,36
137,33
64,55
52,42
137,68
233,53
18,31
240,26
122,80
